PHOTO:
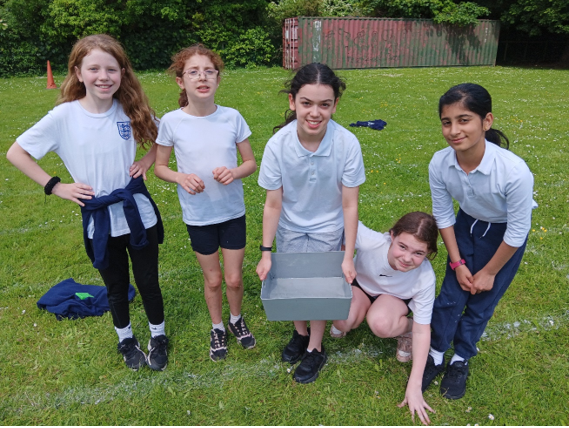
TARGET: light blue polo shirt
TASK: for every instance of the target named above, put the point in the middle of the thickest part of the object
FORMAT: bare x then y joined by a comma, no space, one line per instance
312,182
499,190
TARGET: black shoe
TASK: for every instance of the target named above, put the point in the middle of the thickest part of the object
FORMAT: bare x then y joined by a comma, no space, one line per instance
453,385
431,372
157,352
310,366
242,333
218,344
133,356
295,349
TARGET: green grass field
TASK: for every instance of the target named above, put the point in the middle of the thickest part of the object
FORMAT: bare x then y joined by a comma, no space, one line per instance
68,372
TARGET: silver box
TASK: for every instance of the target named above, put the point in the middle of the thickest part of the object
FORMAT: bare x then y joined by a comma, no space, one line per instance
306,286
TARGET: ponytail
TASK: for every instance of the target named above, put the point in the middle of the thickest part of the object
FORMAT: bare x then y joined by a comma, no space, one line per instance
311,74
476,99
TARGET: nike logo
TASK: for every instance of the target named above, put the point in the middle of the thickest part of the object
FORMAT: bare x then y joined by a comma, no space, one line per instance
388,276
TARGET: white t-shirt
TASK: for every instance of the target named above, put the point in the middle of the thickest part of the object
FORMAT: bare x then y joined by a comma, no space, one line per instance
499,190
97,150
202,144
376,276
312,182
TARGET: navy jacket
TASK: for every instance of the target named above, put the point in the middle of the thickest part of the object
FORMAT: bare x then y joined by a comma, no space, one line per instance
72,300
97,207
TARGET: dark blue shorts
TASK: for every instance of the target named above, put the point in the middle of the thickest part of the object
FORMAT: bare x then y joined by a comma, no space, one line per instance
230,234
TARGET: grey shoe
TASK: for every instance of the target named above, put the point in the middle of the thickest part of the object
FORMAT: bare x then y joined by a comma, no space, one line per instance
242,333
218,344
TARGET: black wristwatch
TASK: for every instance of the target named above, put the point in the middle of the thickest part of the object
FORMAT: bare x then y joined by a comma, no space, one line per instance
265,248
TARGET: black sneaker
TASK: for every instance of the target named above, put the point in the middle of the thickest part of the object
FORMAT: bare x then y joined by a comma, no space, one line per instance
133,356
295,349
453,385
431,372
157,352
242,333
310,366
218,344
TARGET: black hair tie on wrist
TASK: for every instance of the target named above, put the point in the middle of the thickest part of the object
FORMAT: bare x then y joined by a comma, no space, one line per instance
51,184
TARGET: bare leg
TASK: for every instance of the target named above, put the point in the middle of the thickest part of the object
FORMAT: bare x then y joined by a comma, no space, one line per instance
233,269
301,327
317,329
358,310
212,284
387,317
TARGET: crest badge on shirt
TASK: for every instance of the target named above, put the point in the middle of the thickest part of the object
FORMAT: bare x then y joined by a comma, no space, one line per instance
125,131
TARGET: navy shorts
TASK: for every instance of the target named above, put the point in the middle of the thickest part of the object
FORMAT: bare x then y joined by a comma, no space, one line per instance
230,234
372,299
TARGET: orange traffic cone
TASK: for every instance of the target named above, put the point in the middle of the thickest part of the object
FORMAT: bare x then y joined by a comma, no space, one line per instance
50,83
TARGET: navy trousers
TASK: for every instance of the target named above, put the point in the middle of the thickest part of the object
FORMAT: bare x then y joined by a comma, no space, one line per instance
459,316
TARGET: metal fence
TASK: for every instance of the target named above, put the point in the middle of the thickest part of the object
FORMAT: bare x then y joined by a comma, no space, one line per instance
378,42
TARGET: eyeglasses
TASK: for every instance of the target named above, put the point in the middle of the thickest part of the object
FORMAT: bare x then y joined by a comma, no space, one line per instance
208,74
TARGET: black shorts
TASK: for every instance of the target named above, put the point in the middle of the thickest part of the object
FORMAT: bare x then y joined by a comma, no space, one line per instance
374,298
230,234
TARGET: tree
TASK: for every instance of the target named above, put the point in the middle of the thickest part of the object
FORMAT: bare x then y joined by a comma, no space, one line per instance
441,11
537,16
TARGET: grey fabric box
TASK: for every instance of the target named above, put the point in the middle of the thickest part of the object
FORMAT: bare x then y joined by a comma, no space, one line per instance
306,286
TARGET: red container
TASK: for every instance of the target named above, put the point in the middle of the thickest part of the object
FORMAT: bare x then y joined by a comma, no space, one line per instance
379,42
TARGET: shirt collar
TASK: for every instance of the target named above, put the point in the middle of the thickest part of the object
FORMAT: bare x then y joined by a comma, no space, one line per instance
324,149
487,161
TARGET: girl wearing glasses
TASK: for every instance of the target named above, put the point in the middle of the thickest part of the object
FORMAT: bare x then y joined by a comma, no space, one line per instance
206,138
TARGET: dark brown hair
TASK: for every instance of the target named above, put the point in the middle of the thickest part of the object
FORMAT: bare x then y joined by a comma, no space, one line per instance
311,74
422,226
130,94
478,100
179,61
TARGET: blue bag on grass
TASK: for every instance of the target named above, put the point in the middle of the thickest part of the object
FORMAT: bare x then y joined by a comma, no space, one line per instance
72,300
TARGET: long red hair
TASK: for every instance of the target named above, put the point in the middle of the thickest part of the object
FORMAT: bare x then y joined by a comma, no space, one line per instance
130,94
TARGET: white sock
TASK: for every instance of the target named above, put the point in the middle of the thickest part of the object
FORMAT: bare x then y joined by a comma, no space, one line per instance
219,326
456,358
438,357
124,333
157,330
233,318
335,330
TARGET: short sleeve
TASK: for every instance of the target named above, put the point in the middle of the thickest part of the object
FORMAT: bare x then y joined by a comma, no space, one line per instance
242,129
422,303
367,238
354,171
41,138
165,135
270,174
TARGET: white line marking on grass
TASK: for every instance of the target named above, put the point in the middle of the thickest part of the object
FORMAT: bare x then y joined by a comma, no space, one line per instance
510,330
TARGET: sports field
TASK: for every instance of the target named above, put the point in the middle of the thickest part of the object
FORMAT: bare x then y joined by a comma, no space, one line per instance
69,373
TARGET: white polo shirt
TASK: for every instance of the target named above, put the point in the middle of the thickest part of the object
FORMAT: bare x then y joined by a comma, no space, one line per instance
202,144
96,149
376,276
499,190
312,182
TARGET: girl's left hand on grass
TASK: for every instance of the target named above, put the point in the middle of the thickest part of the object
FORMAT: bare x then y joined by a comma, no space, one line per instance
414,399
482,282
223,175
349,270
137,169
